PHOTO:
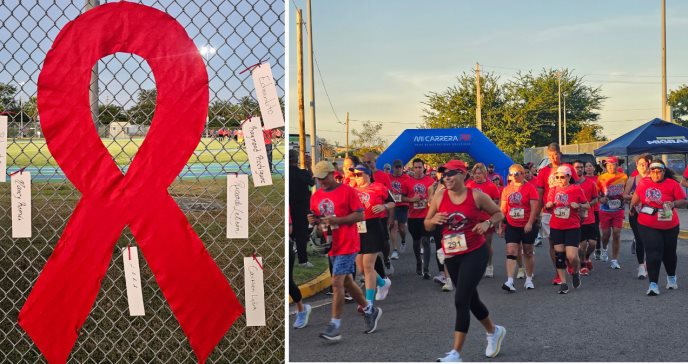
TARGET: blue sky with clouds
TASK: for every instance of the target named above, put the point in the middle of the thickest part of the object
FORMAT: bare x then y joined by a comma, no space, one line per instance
379,58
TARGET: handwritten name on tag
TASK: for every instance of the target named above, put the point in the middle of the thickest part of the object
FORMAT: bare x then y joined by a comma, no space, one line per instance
237,206
254,291
20,189
266,91
3,148
132,275
257,155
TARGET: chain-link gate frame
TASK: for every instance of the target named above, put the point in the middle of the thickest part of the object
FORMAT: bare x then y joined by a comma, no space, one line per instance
241,32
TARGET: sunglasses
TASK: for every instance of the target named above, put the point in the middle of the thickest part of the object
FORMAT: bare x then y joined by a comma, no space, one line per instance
453,172
397,166
367,162
514,173
358,174
561,177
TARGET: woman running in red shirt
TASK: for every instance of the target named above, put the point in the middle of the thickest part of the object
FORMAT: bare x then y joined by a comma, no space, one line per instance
482,184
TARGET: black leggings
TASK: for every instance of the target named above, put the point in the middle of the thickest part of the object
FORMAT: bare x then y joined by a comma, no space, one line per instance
639,247
465,271
420,236
660,246
294,290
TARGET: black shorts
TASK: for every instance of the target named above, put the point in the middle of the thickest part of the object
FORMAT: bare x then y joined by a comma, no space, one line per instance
588,232
568,237
401,214
514,234
372,240
417,228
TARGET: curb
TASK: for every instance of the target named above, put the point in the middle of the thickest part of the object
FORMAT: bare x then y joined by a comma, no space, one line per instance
312,287
682,234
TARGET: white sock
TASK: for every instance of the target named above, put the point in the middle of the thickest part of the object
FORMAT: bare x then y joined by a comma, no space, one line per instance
510,281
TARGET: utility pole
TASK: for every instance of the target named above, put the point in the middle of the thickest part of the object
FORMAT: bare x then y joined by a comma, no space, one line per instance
299,88
314,155
664,81
565,139
478,111
93,88
559,96
346,154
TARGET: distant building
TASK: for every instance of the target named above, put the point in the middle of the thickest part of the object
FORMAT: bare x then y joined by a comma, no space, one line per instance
119,129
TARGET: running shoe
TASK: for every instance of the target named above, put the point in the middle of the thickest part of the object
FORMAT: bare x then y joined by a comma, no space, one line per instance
426,276
452,357
402,248
439,279
589,264
494,341
671,282
576,280
509,287
563,288
521,273
395,255
653,290
615,264
383,291
556,280
306,265
529,284
489,271
371,319
360,309
302,317
419,269
389,268
597,255
585,271
329,291
642,272
604,256
448,287
538,240
348,298
569,269
331,333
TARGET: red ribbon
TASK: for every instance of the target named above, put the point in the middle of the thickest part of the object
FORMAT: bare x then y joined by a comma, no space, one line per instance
198,293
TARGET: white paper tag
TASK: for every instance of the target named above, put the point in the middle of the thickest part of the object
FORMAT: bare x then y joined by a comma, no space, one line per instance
21,204
3,148
254,291
257,155
237,206
132,275
266,91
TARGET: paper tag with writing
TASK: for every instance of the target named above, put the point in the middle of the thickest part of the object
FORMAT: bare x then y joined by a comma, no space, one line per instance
20,190
3,148
237,206
254,291
266,92
257,155
132,274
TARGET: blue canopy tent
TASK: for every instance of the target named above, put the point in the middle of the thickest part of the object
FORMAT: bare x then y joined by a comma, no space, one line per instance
655,137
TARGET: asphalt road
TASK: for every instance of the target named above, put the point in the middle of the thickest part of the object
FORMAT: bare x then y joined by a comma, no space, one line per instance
609,318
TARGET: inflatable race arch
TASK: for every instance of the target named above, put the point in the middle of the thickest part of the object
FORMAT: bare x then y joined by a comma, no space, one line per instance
456,140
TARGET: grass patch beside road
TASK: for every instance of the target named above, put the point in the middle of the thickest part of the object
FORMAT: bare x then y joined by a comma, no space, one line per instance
303,275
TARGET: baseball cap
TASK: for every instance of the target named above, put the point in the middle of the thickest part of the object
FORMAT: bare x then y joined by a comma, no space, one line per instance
455,164
564,170
322,169
612,160
363,169
490,165
397,162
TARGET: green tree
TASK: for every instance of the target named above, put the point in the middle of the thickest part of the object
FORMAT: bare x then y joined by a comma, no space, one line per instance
368,139
678,99
7,101
589,133
110,113
142,112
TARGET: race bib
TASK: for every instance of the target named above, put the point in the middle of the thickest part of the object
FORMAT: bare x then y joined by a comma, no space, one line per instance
664,215
614,204
419,205
396,197
562,212
454,243
361,225
517,213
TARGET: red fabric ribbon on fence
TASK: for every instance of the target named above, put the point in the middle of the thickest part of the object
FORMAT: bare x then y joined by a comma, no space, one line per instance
198,293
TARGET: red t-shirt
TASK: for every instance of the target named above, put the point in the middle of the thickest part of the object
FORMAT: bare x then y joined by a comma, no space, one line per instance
340,201
517,203
418,187
545,178
383,178
371,195
565,217
399,187
487,188
596,206
589,191
654,195
461,219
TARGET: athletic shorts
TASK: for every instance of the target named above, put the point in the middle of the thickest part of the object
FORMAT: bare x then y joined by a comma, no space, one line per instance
544,219
401,214
372,240
588,232
417,228
343,264
568,237
611,219
514,234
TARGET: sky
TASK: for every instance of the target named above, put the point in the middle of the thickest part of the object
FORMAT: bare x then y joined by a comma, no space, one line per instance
378,59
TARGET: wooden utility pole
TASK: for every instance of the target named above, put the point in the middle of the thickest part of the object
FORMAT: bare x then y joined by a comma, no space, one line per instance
664,81
559,96
314,139
346,154
299,88
478,108
565,139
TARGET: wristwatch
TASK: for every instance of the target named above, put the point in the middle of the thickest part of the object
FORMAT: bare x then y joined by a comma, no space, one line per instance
489,221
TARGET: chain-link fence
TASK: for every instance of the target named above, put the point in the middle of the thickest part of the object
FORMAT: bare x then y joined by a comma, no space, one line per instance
231,36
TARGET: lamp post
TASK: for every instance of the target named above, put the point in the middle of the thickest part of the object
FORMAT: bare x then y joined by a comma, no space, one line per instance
207,51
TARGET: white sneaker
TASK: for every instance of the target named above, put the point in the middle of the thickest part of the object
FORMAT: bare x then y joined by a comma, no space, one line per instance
642,272
671,282
521,273
489,271
529,284
615,264
383,291
395,255
448,287
494,341
604,256
439,279
509,287
306,265
452,357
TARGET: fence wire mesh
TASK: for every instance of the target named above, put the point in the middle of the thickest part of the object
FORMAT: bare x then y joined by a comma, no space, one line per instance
231,36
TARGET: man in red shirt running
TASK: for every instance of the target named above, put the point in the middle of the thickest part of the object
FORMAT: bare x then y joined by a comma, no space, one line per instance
379,176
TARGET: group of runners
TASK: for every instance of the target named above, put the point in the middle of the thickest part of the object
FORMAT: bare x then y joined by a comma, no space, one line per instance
364,213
